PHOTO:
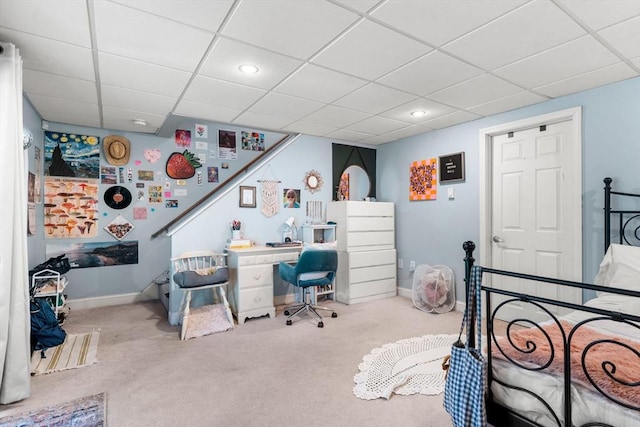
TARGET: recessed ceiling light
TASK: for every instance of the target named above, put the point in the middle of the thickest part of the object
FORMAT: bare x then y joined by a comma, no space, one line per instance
139,122
248,68
418,113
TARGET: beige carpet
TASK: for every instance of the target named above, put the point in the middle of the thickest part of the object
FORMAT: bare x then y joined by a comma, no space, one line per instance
408,366
86,412
78,350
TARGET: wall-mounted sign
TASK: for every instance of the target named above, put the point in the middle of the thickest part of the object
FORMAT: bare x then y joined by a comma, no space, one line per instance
452,167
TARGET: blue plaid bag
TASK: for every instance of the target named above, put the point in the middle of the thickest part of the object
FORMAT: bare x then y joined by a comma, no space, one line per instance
464,389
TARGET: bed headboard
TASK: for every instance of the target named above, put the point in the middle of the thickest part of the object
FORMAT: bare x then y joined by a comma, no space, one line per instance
628,221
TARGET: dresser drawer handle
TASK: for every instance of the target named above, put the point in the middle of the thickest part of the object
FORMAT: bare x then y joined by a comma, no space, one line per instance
257,276
257,299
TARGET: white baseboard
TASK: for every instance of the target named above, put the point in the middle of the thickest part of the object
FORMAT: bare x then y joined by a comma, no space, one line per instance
148,294
151,293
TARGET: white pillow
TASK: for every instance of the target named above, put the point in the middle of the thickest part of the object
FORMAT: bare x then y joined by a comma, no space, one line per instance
613,302
620,268
321,246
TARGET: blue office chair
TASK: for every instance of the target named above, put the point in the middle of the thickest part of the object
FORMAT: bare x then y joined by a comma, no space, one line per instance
314,268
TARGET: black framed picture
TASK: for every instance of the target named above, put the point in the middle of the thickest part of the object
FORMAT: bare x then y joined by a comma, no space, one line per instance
451,167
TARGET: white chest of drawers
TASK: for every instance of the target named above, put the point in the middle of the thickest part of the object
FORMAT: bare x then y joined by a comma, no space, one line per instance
366,250
251,272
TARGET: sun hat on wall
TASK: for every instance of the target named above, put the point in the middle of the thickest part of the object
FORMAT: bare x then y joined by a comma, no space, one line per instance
116,149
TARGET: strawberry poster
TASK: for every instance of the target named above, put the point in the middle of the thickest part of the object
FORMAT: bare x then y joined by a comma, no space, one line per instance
182,165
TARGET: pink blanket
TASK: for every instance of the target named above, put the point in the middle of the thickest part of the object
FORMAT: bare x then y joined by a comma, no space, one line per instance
623,358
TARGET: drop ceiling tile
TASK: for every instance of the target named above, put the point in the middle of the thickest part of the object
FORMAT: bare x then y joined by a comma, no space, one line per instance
285,106
319,84
451,119
51,56
636,62
224,94
62,87
348,135
119,118
309,128
374,98
362,6
260,121
377,125
36,17
600,77
533,28
600,14
370,50
159,40
143,76
432,108
377,139
117,97
405,132
206,111
550,66
507,103
624,37
71,112
287,27
476,91
332,115
432,72
207,15
437,22
227,55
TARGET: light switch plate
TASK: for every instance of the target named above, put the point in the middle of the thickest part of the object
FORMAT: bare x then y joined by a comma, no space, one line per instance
450,193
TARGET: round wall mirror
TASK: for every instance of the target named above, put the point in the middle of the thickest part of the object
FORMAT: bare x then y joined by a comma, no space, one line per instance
359,184
312,181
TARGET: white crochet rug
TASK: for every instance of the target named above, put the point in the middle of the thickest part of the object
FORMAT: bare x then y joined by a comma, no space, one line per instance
409,366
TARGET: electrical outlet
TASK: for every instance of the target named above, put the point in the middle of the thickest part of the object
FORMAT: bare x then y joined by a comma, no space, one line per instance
400,263
412,265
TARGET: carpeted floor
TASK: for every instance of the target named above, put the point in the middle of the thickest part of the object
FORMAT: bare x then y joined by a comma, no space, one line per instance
86,412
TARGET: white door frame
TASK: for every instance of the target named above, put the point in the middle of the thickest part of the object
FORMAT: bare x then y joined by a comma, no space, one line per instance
486,173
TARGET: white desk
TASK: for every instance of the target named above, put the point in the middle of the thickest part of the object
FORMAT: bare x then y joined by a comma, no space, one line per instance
251,272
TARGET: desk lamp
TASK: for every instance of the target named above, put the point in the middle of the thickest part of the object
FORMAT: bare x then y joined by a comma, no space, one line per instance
289,230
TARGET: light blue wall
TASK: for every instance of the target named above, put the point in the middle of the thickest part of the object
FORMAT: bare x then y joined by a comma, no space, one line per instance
432,232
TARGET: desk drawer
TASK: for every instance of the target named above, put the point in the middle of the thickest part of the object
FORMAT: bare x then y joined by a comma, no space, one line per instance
289,256
255,276
255,298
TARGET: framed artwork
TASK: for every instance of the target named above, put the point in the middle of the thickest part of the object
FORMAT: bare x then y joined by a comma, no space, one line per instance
423,180
247,197
452,167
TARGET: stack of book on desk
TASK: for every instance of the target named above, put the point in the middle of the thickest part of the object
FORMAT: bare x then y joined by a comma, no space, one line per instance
238,243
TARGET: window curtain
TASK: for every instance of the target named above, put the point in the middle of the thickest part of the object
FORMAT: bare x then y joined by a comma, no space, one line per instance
15,321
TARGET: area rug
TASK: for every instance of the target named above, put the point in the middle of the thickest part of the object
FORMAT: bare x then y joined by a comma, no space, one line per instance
207,320
86,412
76,351
409,366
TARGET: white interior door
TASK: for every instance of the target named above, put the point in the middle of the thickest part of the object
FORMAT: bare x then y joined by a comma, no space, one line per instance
534,209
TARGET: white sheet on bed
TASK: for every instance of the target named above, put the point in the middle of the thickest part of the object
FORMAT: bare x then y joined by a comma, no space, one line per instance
588,406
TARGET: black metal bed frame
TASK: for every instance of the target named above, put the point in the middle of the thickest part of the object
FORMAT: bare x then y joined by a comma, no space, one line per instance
499,415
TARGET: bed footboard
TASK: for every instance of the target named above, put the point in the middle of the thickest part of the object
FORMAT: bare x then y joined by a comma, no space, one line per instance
556,371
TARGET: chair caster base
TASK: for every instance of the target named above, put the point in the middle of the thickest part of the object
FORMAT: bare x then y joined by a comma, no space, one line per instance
334,315
286,312
289,323
320,325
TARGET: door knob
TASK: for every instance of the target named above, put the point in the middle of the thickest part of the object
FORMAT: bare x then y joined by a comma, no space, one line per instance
497,239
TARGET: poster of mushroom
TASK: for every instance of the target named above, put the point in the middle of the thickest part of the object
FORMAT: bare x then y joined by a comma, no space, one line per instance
70,208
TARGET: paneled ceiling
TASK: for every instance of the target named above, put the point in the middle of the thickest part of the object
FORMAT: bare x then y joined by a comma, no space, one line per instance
352,70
